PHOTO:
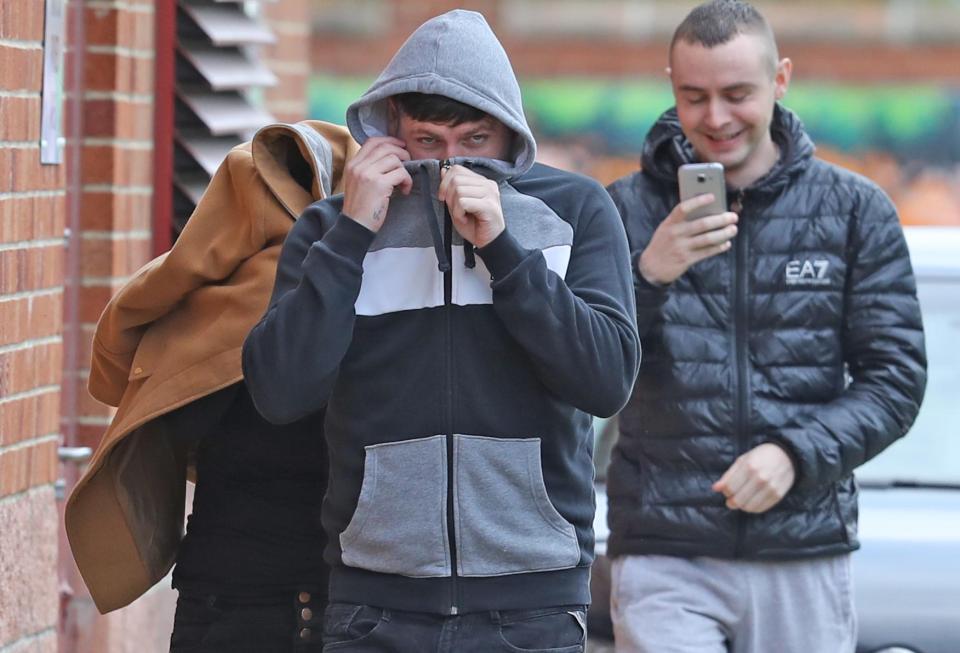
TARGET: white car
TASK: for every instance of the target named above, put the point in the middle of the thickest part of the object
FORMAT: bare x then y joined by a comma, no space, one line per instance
907,572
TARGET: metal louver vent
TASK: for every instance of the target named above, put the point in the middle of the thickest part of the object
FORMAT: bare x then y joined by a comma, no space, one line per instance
216,67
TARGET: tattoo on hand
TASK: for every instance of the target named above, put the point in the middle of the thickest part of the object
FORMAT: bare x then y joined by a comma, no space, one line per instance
378,215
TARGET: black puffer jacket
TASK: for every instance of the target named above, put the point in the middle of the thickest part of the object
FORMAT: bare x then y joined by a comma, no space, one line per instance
806,333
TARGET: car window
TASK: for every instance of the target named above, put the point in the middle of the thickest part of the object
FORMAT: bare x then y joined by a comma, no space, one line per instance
930,452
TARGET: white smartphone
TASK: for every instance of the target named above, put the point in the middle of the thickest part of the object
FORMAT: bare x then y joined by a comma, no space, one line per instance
699,179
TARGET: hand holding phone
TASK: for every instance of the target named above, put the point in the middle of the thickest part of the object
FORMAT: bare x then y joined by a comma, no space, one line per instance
700,179
696,229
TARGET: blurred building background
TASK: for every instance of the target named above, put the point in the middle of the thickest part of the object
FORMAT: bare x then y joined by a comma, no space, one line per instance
877,82
152,93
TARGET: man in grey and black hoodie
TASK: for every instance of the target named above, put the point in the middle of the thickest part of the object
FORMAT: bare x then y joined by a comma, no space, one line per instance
460,313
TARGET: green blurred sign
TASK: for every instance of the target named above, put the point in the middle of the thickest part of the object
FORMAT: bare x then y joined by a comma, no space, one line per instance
912,122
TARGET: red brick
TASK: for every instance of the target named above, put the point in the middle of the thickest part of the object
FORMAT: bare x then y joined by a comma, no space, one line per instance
100,71
141,30
29,466
290,86
29,417
288,48
103,211
31,317
28,539
92,301
102,25
6,169
45,315
9,468
116,165
20,170
120,27
22,370
72,61
289,10
21,69
859,61
21,21
36,268
15,321
118,72
118,119
9,483
12,325
43,463
32,218
21,118
113,258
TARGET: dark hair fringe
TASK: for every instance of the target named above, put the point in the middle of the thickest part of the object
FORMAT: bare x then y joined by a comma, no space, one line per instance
438,109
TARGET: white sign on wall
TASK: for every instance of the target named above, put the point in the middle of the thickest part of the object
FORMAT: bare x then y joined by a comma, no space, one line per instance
51,109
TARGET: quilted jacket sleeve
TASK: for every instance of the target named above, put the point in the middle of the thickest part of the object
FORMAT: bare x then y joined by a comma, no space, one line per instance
640,220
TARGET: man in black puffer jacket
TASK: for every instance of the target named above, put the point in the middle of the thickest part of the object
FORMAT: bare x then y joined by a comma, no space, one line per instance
783,348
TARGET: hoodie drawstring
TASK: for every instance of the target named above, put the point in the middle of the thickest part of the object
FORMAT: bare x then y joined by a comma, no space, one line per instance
443,263
469,259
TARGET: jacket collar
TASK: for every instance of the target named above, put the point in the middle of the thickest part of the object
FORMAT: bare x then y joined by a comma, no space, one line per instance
666,149
300,163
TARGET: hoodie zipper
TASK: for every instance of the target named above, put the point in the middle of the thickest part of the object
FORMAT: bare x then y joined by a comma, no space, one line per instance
448,310
740,351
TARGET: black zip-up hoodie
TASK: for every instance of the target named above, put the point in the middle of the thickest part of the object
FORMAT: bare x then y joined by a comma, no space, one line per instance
458,386
806,333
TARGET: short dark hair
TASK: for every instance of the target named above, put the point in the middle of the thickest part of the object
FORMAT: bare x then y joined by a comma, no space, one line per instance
719,21
439,109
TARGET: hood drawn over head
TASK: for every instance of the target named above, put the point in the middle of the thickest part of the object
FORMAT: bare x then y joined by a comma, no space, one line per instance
458,56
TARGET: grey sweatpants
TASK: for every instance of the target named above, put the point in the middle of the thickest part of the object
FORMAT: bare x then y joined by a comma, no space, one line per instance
664,604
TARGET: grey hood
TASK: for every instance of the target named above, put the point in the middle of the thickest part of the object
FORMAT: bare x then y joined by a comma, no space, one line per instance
458,56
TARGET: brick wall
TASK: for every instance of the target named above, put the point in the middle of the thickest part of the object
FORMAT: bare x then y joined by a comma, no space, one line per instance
290,23
116,169
114,195
32,214
539,50
53,287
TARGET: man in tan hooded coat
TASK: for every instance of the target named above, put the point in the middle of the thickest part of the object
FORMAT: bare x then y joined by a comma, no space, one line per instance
167,354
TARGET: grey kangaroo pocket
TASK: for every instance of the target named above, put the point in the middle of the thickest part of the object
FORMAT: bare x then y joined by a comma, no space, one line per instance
400,523
505,522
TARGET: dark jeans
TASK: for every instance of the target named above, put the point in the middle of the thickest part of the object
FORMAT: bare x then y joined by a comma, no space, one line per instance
365,629
212,624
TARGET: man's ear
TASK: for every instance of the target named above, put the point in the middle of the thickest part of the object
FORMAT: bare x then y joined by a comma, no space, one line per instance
782,79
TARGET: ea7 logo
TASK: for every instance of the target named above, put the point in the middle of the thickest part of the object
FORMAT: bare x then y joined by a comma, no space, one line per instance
807,272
